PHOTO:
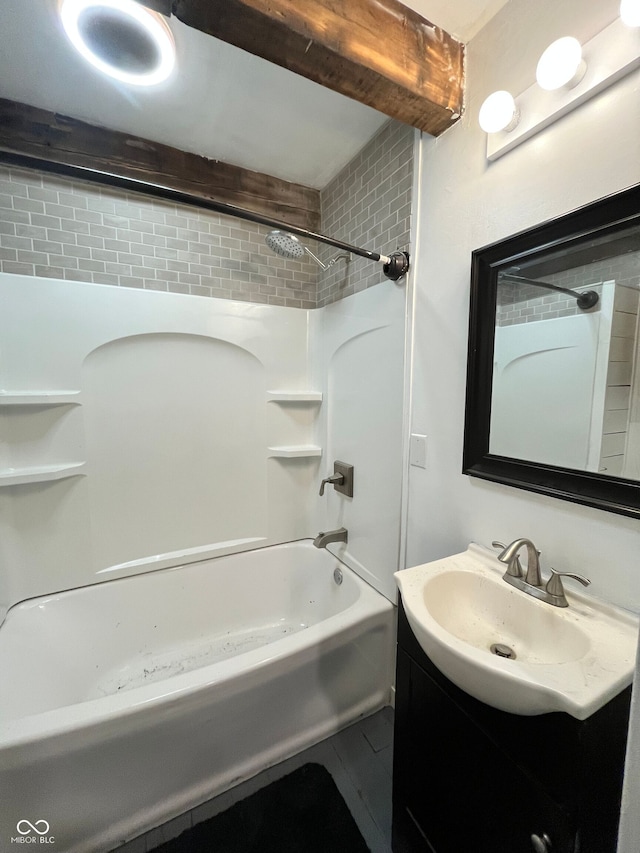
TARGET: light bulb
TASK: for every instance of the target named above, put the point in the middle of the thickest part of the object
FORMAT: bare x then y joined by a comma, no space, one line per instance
630,12
121,38
498,112
561,64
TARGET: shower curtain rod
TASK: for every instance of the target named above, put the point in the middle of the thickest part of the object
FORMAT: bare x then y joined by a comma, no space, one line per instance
585,300
395,265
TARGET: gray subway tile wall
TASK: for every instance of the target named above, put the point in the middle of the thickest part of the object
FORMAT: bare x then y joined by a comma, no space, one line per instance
521,303
368,205
528,308
56,227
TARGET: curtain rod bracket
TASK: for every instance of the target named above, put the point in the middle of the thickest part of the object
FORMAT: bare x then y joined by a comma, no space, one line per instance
397,266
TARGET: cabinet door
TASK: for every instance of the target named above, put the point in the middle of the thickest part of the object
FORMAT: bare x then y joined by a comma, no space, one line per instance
464,793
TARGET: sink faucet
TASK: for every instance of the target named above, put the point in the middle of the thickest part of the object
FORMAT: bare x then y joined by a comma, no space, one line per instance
510,556
323,539
552,592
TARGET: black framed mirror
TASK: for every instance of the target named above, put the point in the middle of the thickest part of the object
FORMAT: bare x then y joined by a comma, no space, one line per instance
553,373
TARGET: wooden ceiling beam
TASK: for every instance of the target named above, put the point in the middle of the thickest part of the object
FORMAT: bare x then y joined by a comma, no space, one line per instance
60,139
377,52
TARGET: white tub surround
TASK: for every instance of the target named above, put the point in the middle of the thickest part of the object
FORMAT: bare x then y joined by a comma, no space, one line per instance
126,703
144,430
359,364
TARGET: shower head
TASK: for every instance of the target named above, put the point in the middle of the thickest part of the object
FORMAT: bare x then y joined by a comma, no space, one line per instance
284,244
288,246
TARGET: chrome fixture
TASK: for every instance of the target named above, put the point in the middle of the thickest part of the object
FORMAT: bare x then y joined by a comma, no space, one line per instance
555,588
552,592
510,556
333,480
514,567
541,843
324,539
288,246
502,651
341,479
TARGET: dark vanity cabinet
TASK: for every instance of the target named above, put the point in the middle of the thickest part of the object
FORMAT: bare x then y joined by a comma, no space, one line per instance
468,778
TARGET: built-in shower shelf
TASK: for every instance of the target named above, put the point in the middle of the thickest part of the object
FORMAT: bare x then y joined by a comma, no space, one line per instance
39,398
39,474
294,396
295,451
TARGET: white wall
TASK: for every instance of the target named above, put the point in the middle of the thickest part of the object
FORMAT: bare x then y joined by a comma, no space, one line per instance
465,203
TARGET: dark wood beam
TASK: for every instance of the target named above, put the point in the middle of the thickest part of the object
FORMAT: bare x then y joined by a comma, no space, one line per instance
61,139
377,52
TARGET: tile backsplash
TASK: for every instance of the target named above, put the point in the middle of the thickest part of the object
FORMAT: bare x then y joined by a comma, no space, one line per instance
62,228
522,303
368,205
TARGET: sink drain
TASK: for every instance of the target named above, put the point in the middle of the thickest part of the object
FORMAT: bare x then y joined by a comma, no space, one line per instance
503,651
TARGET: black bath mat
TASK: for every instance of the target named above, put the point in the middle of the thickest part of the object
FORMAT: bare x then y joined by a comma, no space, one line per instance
300,813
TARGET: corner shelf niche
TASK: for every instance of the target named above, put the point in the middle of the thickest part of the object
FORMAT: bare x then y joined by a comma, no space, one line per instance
294,396
298,451
40,474
40,398
294,451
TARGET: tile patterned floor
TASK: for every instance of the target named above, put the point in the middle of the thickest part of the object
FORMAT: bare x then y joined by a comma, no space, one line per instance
360,760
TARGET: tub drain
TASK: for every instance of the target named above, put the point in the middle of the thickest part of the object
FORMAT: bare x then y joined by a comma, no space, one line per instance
503,651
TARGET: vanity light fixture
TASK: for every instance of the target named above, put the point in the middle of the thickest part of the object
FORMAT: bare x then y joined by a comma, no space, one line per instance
611,55
499,112
561,64
630,12
121,38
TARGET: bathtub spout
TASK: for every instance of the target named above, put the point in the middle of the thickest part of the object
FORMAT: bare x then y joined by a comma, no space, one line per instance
323,539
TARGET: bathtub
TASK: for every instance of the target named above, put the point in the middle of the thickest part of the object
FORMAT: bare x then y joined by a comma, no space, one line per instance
126,703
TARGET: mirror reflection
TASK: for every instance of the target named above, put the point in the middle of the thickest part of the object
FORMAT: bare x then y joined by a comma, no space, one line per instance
566,369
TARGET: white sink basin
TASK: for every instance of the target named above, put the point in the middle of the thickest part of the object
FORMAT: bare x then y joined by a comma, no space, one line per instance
572,659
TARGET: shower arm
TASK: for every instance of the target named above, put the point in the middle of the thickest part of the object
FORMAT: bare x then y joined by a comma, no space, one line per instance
585,300
324,267
395,266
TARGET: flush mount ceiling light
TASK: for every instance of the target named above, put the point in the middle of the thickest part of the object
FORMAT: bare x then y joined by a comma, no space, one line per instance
630,12
561,65
121,38
498,112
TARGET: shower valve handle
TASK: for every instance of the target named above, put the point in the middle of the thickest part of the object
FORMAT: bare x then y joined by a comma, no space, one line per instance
334,478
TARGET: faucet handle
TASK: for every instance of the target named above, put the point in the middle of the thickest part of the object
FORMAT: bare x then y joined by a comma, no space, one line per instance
334,478
514,566
554,584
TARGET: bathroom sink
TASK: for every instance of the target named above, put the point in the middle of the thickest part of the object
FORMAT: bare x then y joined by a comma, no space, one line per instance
510,650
